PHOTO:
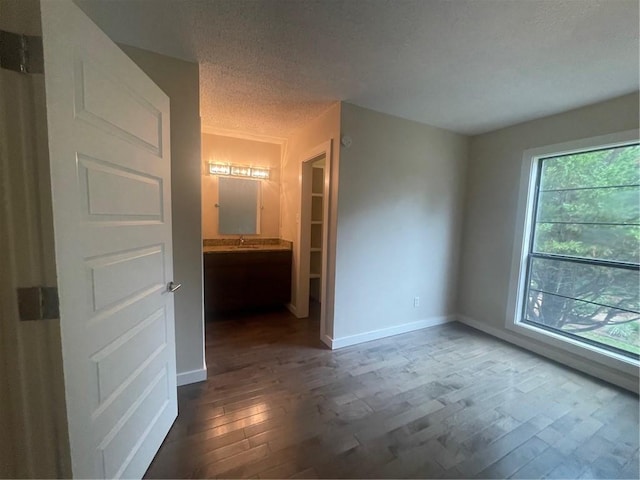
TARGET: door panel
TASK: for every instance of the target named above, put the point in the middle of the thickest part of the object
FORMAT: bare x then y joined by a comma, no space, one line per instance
100,98
143,200
110,171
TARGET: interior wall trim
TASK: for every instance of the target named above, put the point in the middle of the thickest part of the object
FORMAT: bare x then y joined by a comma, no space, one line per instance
292,308
349,340
256,137
578,363
191,376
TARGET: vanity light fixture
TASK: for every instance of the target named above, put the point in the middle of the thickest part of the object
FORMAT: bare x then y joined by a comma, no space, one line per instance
261,173
219,169
238,171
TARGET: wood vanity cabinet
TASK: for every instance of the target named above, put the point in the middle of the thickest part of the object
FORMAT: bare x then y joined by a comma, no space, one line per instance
246,280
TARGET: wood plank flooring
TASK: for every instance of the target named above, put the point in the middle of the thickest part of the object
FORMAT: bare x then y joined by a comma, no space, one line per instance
445,402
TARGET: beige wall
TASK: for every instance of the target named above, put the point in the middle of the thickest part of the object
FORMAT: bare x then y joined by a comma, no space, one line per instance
495,162
33,417
323,128
33,423
222,149
180,81
399,216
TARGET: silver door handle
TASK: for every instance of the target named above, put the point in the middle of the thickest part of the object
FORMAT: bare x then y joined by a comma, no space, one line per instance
172,287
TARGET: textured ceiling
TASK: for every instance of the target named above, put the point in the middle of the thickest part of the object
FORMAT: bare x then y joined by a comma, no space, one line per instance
466,65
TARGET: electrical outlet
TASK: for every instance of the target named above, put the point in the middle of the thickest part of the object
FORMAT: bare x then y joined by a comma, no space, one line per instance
416,302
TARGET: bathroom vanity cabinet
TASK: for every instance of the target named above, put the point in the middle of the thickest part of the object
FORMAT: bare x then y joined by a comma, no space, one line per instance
240,279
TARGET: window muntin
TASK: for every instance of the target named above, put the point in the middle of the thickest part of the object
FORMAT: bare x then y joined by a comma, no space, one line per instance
583,274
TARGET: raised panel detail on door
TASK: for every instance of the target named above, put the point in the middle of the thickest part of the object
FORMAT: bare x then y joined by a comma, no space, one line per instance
123,442
138,345
108,127
118,276
140,200
99,99
111,411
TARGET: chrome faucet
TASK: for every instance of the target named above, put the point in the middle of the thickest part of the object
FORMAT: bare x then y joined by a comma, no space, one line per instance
241,240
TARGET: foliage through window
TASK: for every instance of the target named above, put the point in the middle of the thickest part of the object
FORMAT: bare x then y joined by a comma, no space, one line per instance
583,265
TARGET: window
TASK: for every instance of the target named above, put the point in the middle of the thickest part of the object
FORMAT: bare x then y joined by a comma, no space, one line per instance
581,271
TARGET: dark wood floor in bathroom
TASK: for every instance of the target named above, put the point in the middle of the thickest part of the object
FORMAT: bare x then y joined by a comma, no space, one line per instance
442,402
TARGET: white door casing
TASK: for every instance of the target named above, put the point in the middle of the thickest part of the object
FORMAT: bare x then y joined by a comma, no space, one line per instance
108,129
325,150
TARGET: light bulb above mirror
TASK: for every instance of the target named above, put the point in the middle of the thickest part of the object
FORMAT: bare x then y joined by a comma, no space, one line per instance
238,171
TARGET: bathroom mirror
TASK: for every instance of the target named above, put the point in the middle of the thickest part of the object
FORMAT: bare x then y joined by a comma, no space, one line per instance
238,206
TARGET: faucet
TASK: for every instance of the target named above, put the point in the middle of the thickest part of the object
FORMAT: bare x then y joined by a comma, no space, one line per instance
241,240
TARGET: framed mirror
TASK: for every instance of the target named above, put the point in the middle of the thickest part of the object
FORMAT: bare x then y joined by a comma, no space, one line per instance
238,206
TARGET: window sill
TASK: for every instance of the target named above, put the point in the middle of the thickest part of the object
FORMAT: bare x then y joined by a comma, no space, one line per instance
618,362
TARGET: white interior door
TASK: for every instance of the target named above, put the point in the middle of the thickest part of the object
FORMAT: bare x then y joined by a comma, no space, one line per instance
108,127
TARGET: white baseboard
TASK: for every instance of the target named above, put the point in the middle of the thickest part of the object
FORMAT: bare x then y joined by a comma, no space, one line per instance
559,356
192,376
292,308
347,341
327,340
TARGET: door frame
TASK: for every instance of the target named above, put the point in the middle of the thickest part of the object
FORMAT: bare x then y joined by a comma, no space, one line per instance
304,233
32,404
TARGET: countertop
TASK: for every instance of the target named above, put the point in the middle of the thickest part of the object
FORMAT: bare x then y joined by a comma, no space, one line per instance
246,248
231,245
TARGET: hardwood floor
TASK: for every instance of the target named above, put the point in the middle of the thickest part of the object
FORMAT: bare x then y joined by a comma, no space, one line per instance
445,402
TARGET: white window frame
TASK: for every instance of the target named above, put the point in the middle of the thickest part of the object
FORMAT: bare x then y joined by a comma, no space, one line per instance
522,238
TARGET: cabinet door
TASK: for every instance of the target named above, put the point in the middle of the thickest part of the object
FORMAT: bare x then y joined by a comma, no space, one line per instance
244,280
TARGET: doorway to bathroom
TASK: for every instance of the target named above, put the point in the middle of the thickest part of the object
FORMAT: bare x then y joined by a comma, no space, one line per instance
292,248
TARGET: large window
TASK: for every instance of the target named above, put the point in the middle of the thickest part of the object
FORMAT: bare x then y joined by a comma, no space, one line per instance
582,268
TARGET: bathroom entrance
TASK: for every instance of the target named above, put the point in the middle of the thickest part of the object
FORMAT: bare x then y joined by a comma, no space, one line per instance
272,254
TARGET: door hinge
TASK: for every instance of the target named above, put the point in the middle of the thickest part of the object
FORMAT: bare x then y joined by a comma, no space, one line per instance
38,303
21,53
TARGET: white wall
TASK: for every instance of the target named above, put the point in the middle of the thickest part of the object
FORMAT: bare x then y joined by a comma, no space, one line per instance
321,129
180,81
399,214
495,161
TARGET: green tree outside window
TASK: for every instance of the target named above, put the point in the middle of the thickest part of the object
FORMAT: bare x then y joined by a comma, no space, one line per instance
583,275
